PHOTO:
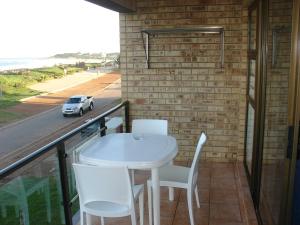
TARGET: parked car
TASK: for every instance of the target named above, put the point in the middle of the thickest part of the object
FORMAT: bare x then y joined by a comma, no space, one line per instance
77,105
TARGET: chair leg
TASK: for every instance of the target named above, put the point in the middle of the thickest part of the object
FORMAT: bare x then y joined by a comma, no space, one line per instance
197,196
141,207
171,189
149,190
133,217
132,177
88,219
81,217
190,206
171,194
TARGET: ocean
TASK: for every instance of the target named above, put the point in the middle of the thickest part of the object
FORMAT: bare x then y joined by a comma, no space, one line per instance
29,63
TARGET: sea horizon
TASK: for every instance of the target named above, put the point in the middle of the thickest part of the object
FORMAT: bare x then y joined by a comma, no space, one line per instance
38,62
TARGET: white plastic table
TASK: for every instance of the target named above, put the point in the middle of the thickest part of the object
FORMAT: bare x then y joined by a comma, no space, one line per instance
122,149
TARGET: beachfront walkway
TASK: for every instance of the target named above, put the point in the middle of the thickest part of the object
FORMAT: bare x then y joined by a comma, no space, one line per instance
55,85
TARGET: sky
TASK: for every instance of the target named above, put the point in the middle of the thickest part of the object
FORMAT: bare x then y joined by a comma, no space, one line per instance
42,28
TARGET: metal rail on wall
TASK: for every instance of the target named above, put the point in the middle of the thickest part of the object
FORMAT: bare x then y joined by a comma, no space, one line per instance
207,30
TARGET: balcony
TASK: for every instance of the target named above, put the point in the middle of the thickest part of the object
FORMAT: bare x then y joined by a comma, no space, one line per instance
40,188
226,82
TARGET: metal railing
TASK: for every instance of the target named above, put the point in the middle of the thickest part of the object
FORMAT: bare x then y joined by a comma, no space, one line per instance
59,147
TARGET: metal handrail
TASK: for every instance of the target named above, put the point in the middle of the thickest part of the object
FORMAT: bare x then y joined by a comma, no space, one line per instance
59,144
34,155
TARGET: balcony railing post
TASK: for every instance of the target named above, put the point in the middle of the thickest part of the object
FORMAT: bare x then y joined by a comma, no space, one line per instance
102,125
61,151
127,116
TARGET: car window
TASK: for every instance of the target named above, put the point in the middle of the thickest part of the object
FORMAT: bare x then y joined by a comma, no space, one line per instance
74,100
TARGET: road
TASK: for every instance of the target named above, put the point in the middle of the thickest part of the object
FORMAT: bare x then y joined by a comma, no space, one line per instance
25,136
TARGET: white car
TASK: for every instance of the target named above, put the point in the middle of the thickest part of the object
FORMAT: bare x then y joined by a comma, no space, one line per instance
77,105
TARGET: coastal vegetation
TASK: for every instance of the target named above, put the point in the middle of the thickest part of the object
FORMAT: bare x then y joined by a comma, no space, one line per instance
14,84
78,55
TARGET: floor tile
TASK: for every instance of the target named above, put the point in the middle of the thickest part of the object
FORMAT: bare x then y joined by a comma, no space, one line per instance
223,183
205,172
186,221
222,172
204,164
168,208
222,222
222,165
253,222
224,196
203,196
226,212
203,183
166,220
183,211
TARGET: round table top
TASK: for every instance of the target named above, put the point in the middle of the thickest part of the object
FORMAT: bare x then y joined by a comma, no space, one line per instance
123,149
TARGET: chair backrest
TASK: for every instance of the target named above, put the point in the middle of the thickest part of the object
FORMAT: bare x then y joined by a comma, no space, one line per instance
102,183
150,126
193,175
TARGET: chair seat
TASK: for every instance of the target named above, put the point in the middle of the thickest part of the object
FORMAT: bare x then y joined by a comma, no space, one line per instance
106,209
110,209
174,176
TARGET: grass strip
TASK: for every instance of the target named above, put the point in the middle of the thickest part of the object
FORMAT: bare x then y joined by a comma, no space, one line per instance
14,84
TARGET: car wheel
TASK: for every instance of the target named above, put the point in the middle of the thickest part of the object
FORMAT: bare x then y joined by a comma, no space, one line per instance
91,107
65,115
80,112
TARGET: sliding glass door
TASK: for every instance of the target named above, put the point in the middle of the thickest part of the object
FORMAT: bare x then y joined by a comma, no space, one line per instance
273,106
277,130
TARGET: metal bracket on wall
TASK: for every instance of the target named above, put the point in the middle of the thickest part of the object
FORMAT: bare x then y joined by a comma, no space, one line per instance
275,32
207,30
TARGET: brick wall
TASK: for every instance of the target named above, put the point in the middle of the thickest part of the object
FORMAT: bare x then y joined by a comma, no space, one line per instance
185,83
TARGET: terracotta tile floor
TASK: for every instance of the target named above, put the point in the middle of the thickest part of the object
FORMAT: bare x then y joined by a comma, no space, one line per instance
224,198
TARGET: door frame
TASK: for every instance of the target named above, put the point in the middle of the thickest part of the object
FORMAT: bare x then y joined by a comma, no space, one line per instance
260,102
294,117
251,54
261,56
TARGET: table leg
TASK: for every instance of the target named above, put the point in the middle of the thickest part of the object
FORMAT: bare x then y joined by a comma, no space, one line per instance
88,219
156,196
171,189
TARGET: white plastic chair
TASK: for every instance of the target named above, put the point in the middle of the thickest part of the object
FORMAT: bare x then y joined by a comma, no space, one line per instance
107,192
180,177
148,126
